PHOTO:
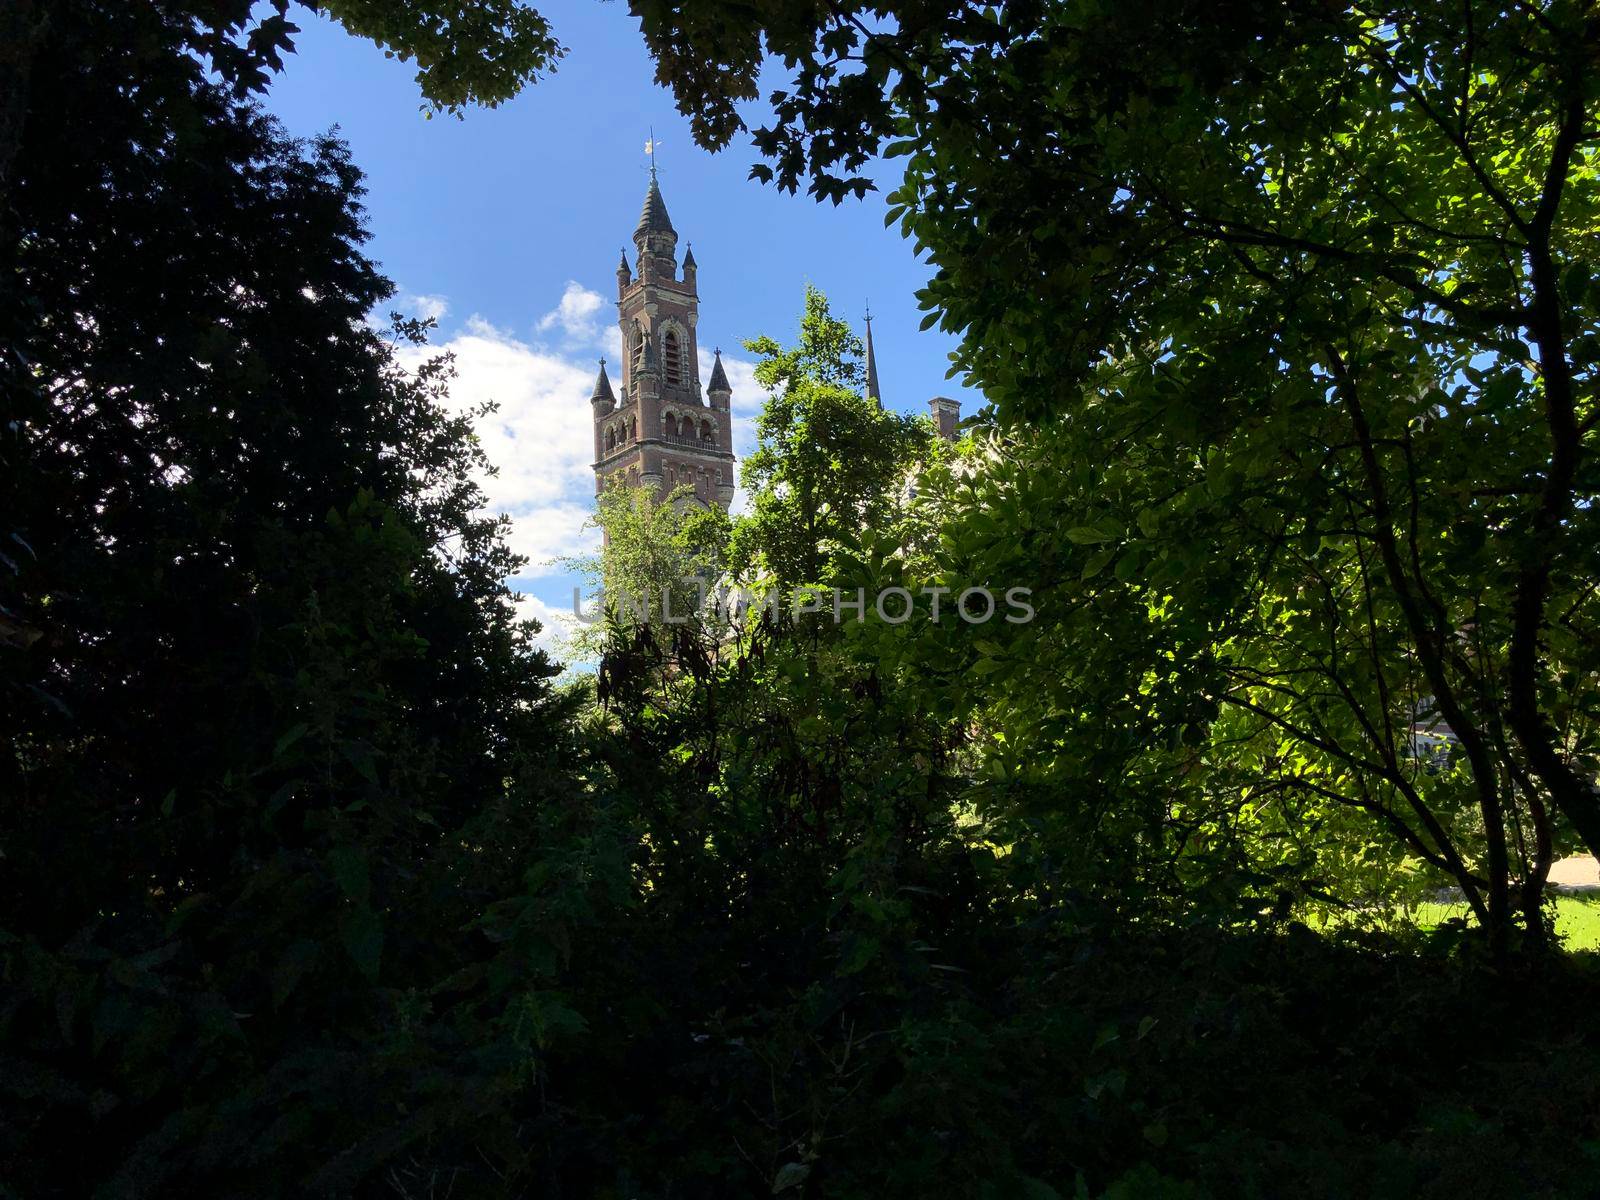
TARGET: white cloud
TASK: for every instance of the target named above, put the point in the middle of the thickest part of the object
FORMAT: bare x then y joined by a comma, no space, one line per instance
576,316
413,304
539,437
556,625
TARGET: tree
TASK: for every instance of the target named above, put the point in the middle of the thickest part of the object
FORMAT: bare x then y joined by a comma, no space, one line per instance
476,54
310,883
482,53
797,815
1309,289
282,767
829,461
663,557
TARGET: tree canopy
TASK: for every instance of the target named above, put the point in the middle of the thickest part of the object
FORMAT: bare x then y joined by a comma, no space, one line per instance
1294,329
274,726
828,460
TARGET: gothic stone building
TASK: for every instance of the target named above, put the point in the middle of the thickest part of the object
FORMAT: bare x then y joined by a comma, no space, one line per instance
660,432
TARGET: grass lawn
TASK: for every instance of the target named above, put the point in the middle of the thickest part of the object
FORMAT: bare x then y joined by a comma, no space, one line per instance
1577,919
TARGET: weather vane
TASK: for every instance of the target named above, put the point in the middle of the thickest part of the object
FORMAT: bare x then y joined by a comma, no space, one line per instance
650,147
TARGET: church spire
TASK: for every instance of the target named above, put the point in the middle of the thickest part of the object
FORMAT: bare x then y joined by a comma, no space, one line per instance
872,364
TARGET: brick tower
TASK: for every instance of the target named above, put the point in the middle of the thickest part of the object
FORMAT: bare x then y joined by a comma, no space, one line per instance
660,432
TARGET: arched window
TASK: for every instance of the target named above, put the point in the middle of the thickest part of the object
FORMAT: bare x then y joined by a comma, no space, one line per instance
705,431
669,424
611,439
673,357
686,427
638,345
633,429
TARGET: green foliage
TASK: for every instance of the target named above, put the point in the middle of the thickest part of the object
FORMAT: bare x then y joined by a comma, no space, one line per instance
482,53
285,784
662,558
466,54
311,883
1288,305
829,461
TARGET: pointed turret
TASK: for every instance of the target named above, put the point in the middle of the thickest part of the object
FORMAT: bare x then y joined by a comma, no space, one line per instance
719,382
602,397
655,238
653,217
624,274
689,269
872,365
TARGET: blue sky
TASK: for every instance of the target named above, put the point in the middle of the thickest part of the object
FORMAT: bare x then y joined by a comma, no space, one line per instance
508,224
